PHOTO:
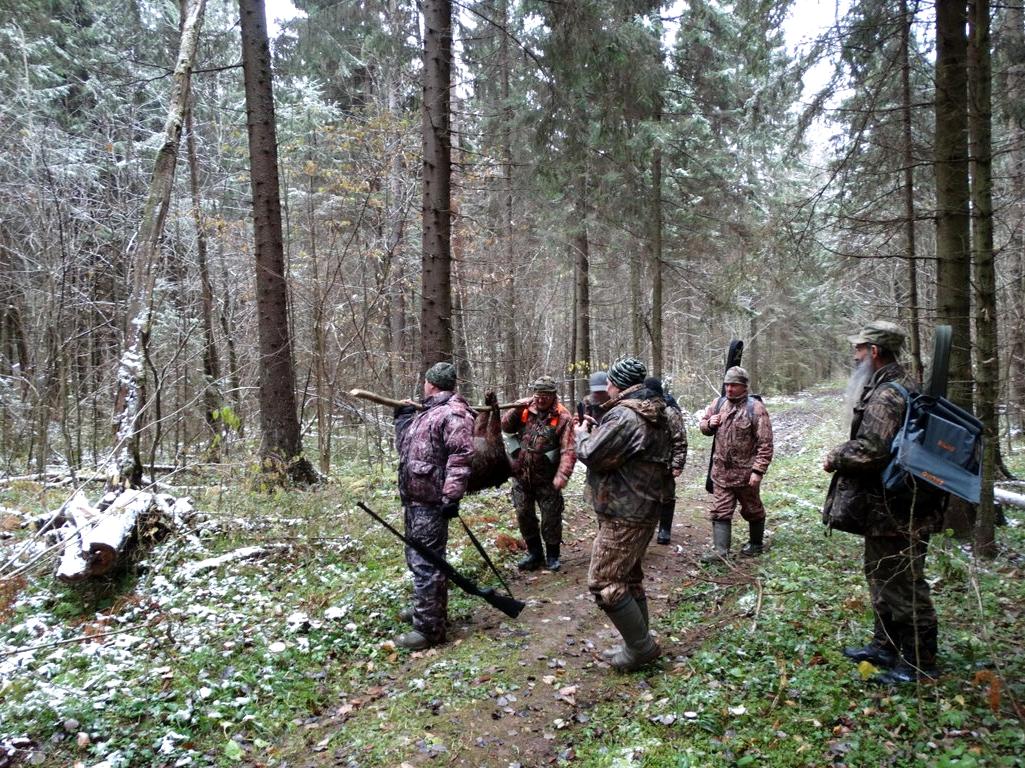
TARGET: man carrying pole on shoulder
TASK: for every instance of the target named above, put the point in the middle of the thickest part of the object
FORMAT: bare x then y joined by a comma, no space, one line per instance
435,446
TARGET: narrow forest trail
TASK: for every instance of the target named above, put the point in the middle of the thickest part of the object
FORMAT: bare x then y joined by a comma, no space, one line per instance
544,671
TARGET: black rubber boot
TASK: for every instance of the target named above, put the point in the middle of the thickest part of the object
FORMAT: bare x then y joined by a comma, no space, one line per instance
535,556
882,651
665,524
917,658
639,648
722,531
552,561
754,546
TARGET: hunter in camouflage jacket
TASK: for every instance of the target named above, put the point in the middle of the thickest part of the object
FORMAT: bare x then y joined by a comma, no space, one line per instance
856,491
630,457
435,446
743,440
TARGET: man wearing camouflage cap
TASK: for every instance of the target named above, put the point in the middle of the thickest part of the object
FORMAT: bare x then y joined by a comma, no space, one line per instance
542,457
741,456
629,455
896,528
435,445
591,405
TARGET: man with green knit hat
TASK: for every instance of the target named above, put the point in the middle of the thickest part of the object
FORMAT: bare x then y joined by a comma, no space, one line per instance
434,441
629,455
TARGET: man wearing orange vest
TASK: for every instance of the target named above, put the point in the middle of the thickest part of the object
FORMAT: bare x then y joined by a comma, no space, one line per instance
542,453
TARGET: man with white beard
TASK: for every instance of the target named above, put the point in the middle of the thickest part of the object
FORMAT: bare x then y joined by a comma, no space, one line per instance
896,526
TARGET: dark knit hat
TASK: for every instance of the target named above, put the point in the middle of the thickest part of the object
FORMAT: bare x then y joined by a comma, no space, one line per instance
626,372
442,375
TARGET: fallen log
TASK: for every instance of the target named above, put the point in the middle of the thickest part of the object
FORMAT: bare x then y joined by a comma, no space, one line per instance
1007,498
96,538
382,400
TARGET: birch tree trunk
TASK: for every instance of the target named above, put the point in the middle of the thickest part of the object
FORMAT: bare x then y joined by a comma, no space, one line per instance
281,445
130,398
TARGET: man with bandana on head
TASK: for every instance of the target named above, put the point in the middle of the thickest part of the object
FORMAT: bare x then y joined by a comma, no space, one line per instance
629,456
435,446
896,527
743,451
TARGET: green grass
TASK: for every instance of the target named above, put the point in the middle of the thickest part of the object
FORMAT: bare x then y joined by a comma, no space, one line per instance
772,688
199,674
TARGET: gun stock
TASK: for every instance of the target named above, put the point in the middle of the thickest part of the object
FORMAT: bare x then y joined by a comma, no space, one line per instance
733,357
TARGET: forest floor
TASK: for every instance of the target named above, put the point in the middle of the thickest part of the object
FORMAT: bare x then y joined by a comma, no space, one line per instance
287,659
548,671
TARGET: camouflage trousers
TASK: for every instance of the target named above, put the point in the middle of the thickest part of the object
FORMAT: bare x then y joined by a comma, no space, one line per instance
725,500
616,557
895,569
428,526
525,496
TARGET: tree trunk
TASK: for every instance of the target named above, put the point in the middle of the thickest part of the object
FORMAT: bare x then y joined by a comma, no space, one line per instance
510,327
656,262
986,356
436,309
212,398
281,446
953,246
1012,41
636,305
129,400
914,327
396,215
581,255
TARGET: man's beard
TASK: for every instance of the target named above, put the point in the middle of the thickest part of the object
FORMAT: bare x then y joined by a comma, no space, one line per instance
855,385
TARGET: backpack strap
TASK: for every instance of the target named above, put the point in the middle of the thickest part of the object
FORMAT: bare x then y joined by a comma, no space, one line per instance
900,388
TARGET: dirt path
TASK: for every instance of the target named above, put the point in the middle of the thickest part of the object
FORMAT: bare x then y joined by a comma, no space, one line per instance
549,659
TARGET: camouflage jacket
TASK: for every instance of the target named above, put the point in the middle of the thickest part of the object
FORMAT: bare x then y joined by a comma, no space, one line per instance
743,440
630,457
856,491
435,446
547,446
679,431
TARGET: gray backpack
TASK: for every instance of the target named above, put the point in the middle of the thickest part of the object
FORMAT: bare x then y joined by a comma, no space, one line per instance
940,444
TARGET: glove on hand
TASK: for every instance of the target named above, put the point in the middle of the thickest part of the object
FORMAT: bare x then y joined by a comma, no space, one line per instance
404,410
450,510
